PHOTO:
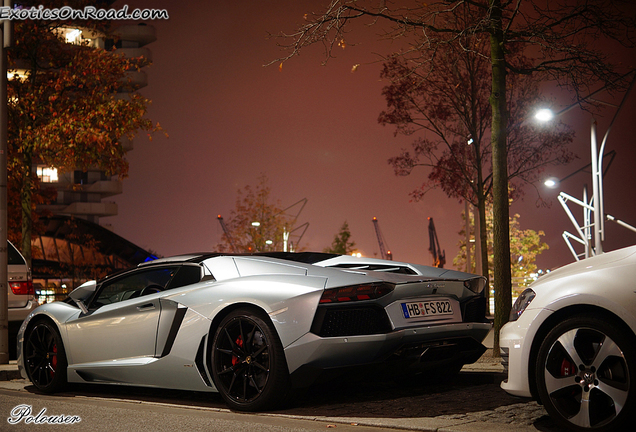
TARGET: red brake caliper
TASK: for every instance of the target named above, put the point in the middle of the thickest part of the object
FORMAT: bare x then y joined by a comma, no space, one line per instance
567,368
54,360
239,343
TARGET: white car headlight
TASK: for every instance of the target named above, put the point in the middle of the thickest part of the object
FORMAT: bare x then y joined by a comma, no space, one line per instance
521,304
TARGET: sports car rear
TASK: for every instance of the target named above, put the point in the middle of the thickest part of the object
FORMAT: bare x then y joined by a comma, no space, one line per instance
415,326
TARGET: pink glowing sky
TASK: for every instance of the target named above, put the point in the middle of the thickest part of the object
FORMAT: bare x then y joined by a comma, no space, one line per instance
313,131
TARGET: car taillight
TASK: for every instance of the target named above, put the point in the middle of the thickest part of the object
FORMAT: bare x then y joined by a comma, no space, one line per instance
356,293
22,288
476,285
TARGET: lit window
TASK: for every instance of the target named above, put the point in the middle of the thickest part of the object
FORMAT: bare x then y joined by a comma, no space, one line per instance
47,174
16,73
73,36
70,35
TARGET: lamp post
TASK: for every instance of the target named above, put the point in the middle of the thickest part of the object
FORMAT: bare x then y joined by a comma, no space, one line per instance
596,203
583,230
597,190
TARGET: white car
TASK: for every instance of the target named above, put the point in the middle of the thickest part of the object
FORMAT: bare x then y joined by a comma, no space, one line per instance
21,293
571,343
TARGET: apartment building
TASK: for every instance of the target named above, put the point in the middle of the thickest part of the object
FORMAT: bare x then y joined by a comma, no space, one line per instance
84,194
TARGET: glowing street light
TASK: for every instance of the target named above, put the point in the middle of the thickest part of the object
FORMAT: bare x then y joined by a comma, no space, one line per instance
544,115
596,205
551,182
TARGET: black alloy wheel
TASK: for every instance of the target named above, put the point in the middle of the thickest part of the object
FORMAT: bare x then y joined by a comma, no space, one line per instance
586,374
248,362
45,357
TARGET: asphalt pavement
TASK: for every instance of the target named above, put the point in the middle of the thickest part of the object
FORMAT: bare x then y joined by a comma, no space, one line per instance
524,416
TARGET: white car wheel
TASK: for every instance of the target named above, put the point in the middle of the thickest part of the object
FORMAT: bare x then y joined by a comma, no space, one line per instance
586,374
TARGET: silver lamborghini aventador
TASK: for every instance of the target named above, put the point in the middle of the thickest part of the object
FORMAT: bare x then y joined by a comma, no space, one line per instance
254,327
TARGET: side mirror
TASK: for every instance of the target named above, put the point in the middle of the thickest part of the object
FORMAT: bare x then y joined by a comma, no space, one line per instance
81,305
82,294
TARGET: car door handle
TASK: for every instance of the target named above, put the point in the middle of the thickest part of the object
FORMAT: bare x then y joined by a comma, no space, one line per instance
146,307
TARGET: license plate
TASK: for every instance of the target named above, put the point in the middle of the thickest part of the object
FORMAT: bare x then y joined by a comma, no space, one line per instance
427,308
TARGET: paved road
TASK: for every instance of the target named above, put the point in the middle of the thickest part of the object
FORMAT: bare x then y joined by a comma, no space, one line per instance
125,416
472,403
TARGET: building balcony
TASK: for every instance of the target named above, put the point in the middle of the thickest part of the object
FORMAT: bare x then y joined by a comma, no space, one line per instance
143,56
100,209
105,188
126,143
134,80
142,34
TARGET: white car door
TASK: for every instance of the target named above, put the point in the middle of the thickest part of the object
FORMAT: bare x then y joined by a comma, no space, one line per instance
122,319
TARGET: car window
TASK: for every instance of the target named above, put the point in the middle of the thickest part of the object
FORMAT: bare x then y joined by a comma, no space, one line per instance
133,285
13,256
186,275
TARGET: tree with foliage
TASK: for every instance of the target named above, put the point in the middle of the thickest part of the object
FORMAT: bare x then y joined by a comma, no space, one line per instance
525,246
566,41
448,109
257,223
63,110
342,243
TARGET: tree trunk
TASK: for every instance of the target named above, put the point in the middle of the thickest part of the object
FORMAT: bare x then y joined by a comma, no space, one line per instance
483,241
482,226
501,232
26,194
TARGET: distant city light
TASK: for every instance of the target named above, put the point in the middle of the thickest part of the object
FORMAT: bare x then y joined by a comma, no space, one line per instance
256,224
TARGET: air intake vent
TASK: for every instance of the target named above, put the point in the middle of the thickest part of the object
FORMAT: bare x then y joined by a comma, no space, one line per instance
474,310
350,321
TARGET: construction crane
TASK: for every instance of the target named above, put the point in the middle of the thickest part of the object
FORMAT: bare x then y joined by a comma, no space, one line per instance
227,233
439,256
287,244
297,233
386,254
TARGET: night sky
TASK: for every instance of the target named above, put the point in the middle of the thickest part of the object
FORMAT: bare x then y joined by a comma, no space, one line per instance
313,131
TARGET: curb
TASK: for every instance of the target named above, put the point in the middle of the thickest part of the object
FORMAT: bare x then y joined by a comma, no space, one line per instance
10,374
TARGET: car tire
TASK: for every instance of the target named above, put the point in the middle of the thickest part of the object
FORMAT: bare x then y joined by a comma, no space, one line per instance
586,374
248,362
45,358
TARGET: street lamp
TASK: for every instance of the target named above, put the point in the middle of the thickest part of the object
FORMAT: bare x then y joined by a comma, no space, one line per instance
544,115
596,203
583,230
551,182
